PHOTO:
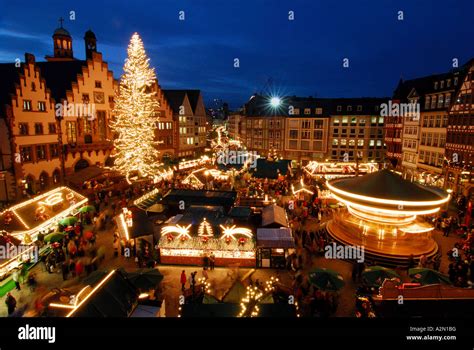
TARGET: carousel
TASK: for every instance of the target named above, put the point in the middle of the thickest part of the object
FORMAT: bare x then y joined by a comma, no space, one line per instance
384,214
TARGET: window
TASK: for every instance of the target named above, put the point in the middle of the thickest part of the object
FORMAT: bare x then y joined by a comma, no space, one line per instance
293,144
319,110
33,87
359,108
85,98
436,85
296,111
318,124
421,156
441,85
427,102
52,128
379,143
353,131
360,143
335,132
41,106
305,145
425,122
26,105
431,122
438,121
307,111
40,152
349,108
23,127
442,140
318,134
362,121
381,120
53,150
353,121
335,142
71,132
87,127
423,138
429,139
433,102
371,143
343,142
435,140
336,121
351,143
339,108
306,124
293,134
98,84
345,120
38,128
440,101
101,124
26,154
448,83
447,101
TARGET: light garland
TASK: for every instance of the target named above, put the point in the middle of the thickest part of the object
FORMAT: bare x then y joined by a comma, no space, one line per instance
205,229
231,232
135,116
183,232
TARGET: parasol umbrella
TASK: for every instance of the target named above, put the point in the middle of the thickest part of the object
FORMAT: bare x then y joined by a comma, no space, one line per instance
145,278
375,275
427,276
69,221
54,237
326,279
87,209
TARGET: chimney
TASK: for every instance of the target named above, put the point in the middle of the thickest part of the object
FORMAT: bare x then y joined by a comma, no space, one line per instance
29,58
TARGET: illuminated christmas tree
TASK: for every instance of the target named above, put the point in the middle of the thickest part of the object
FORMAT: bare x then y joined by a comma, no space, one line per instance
135,120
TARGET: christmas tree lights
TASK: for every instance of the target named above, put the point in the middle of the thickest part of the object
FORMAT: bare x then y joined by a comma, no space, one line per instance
135,119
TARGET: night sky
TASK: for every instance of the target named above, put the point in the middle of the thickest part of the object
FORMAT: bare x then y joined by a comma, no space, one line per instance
301,57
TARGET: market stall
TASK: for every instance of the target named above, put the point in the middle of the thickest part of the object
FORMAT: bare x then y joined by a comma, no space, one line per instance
26,220
273,246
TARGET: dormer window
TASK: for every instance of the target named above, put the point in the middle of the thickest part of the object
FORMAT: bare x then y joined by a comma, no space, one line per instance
349,108
448,83
442,84
339,108
436,85
359,108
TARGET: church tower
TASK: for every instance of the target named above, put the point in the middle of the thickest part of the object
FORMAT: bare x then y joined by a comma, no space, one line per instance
62,42
90,42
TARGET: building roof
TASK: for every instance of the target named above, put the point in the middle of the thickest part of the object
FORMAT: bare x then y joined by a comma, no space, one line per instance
259,105
176,98
60,75
10,75
200,197
385,184
61,31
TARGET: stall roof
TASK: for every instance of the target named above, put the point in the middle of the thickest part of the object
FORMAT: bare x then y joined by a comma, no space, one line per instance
79,177
117,297
240,212
275,238
200,197
275,216
142,224
24,214
195,214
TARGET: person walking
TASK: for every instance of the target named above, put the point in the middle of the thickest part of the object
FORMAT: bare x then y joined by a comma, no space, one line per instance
16,279
183,280
212,259
10,301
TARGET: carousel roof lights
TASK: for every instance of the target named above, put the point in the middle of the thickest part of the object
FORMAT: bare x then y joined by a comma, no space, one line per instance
391,212
387,201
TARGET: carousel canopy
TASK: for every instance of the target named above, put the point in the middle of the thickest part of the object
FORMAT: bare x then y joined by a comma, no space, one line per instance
385,184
